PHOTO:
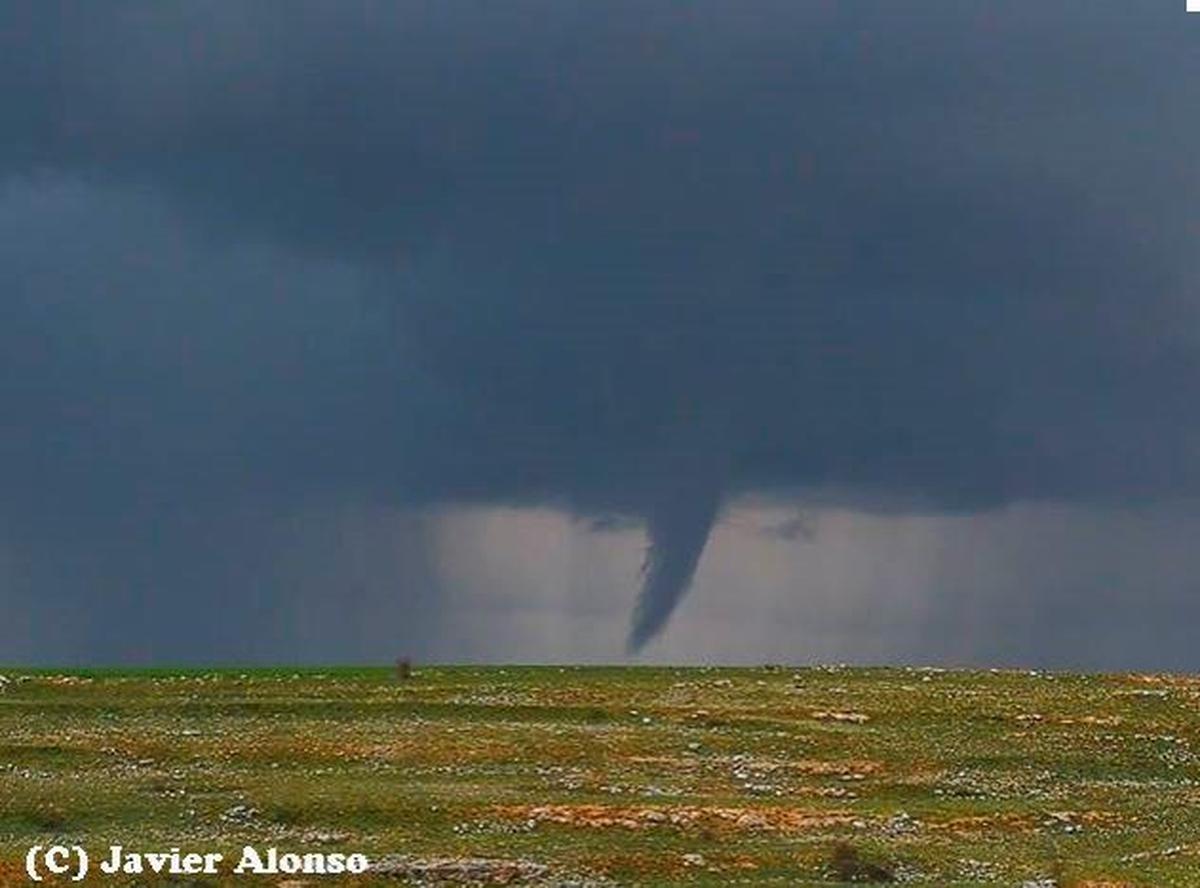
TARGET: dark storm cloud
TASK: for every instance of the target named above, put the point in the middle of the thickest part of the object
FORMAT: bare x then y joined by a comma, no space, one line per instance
630,259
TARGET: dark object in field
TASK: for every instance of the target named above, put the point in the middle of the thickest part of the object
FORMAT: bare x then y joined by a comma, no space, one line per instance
848,866
403,668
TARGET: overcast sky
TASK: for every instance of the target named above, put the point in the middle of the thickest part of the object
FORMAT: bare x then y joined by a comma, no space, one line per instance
783,330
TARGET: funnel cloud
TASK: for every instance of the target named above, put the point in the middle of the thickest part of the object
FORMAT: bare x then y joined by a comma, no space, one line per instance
678,524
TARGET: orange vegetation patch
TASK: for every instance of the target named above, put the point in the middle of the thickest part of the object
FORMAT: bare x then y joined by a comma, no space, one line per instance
979,822
12,874
683,816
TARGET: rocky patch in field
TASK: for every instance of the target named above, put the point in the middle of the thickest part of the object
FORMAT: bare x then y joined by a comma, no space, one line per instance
765,819
855,718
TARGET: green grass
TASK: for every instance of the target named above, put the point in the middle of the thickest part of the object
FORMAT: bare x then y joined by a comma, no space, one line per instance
620,776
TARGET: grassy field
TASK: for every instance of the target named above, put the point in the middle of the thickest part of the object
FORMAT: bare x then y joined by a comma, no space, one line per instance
608,776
